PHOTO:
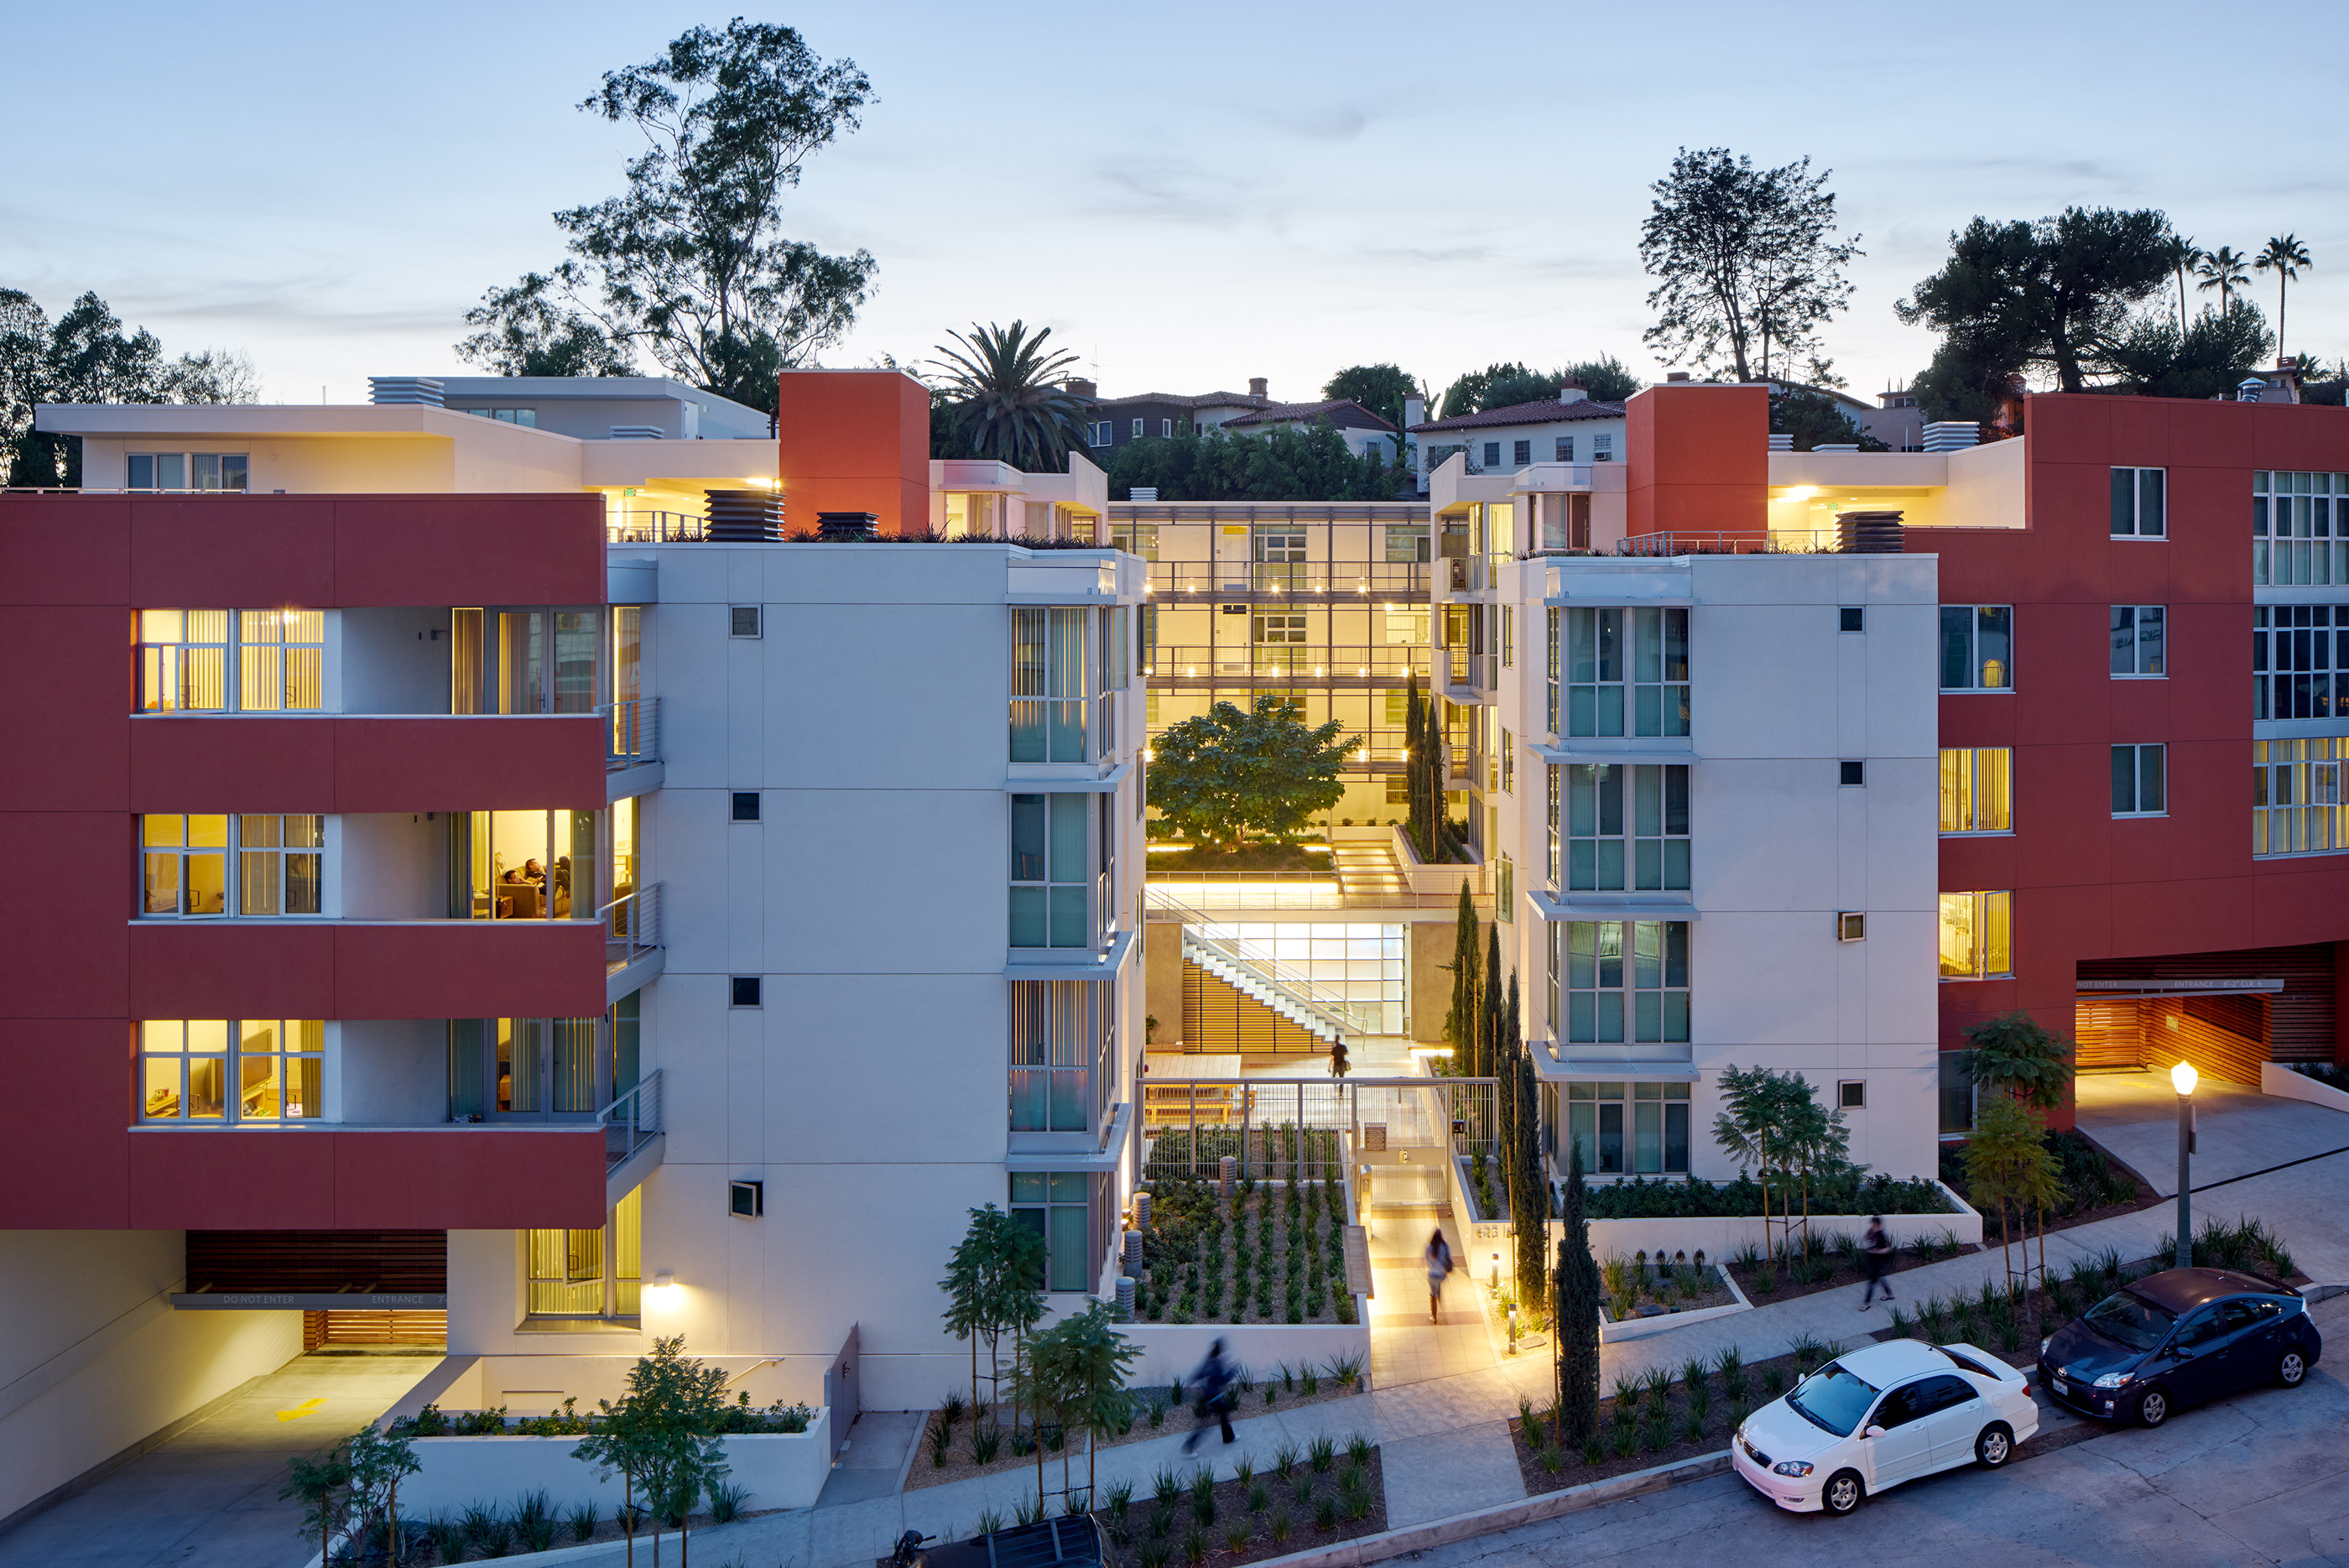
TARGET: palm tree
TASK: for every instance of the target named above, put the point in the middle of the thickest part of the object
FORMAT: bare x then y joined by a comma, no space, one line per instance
1005,399
2222,269
2183,255
2286,255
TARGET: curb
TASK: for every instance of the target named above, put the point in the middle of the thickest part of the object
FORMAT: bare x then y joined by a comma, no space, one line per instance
1410,1538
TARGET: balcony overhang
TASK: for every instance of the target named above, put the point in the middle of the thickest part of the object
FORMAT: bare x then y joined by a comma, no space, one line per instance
1572,752
310,1300
1047,965
1065,778
1107,1156
1602,906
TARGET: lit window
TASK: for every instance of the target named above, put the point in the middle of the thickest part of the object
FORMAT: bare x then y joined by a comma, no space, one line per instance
1975,936
2139,780
1630,1128
184,860
1976,790
525,865
596,1274
231,1070
1624,980
2139,504
541,1067
1977,648
1280,629
2297,534
218,661
2296,801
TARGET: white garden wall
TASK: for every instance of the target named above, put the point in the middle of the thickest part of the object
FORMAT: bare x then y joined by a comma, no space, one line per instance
777,1470
2279,1080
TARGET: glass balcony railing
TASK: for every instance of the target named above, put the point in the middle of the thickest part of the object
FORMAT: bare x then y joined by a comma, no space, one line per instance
1304,662
1369,579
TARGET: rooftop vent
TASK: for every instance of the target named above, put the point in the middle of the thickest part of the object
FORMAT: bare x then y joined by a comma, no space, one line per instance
1256,386
1952,435
1782,442
1836,446
1572,392
1868,533
1144,493
745,517
638,432
847,527
2250,390
414,391
1676,375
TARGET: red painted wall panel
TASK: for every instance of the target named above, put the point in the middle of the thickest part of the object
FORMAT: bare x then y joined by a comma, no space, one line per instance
1700,459
66,549
325,764
64,707
63,931
228,762
235,968
66,1167
469,550
470,1179
487,969
243,552
855,440
198,1179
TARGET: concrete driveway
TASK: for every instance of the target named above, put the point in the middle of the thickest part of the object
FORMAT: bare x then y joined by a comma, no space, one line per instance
208,1498
2260,1479
2238,1131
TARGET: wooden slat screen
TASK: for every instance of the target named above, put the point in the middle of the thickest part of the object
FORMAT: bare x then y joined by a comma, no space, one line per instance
321,1328
2299,1019
1220,1019
391,1260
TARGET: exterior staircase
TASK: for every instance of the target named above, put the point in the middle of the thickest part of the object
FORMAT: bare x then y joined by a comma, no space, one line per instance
1367,871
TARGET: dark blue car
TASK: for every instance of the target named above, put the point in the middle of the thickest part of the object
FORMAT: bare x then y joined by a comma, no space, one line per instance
2176,1338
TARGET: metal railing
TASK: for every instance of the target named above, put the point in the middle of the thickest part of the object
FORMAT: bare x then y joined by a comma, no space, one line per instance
1281,1128
632,927
1285,987
1382,661
633,736
655,528
1183,895
1776,542
1368,579
632,1120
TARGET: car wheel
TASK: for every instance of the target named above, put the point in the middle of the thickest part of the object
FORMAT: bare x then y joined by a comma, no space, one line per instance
2153,1407
1842,1492
1995,1446
2290,1369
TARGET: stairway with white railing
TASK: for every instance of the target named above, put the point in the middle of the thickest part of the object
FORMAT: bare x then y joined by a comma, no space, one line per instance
1288,991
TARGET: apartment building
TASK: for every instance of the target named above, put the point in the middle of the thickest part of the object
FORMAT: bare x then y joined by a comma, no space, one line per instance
1570,428
486,895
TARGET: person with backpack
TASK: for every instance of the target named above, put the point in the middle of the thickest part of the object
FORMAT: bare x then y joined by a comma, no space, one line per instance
1211,1385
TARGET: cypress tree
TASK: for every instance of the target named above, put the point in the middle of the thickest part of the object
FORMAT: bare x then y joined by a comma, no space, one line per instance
1529,1198
1465,988
1488,1041
1416,824
1576,1333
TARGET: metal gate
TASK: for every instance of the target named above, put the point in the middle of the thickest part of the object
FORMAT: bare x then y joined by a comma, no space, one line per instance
1288,1129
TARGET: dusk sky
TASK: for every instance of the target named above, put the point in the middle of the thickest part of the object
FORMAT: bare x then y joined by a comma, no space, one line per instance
1187,196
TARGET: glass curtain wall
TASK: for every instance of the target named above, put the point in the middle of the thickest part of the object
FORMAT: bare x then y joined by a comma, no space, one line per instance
596,1274
527,661
524,864
541,1068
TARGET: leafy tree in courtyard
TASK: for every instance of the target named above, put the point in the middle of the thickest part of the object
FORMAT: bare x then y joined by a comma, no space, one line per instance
2284,255
1005,400
2012,1054
662,1436
1223,775
87,356
1380,387
1771,1123
377,1461
1576,1333
1747,262
321,1483
1075,1371
994,1286
2008,1164
2023,1068
690,263
2052,296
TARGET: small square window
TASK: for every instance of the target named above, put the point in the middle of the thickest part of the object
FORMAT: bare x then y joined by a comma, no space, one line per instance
1854,772
1852,618
745,620
746,805
1851,1094
1851,926
746,1199
746,991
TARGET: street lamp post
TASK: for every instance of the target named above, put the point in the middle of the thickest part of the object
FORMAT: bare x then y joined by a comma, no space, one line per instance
2182,1078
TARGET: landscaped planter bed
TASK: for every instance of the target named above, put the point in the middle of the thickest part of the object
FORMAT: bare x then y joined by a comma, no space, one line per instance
1271,1514
1272,1252
1645,1296
1685,1433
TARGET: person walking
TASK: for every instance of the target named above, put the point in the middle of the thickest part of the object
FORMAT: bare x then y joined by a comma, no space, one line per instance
1874,1252
1212,1386
1439,1264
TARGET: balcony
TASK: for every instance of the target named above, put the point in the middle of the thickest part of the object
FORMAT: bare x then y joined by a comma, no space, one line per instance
642,527
1379,665
1381,580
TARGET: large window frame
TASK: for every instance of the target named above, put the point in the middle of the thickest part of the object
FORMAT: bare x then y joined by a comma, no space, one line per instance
228,866
1064,1036
1626,829
2299,661
1977,648
542,1069
527,865
2298,539
203,471
231,661
216,1072
1627,666
2140,642
2141,779
1068,665
530,658
1058,1206
590,1276
1629,1128
1977,790
1622,982
2140,503
1977,935
1053,870
2297,806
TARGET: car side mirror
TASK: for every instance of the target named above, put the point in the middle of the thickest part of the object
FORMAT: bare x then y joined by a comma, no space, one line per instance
1873,1432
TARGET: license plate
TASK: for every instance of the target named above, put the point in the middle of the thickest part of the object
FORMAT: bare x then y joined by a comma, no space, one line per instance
2060,1386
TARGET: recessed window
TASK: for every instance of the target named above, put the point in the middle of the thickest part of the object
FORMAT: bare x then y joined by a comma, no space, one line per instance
1057,1205
2297,534
746,805
746,1200
1619,976
2299,661
747,991
1976,938
226,470
1624,828
231,1070
217,660
2140,782
1977,648
745,620
1492,454
1639,1129
1637,658
2139,504
593,1273
1851,1094
1565,449
1854,772
1976,790
185,862
1521,453
1852,618
1851,926
1602,447
2140,639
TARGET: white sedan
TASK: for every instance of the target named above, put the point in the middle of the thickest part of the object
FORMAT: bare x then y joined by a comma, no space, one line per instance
1876,1417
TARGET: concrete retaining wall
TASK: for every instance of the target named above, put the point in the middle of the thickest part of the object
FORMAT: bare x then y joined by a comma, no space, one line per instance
777,1470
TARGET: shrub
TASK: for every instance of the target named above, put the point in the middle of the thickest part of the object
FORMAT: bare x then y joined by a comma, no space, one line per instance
986,1442
1321,1453
726,1502
1278,1526
1325,1512
1854,1193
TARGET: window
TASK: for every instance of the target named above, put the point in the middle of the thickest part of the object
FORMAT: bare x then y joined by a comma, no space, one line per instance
541,1067
1656,673
1280,629
747,991
1521,453
185,471
1398,789
2137,639
1492,454
1956,1094
1556,783
1851,926
1851,1094
2296,806
1852,618
2137,504
185,860
1975,939
1050,872
1137,430
1056,1206
1564,448
746,805
594,1273
1508,636
1977,648
1852,772
1603,982
2296,533
1508,763
1406,542
744,620
1135,539
1062,1041
1553,658
1652,838
1976,790
527,864
536,660
1653,1140
1165,427
1048,685
2138,777
1602,447
2299,661
1097,433
223,660
187,1069
528,417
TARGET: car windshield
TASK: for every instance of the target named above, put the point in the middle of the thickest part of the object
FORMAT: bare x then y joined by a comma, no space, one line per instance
2129,1319
1833,1398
